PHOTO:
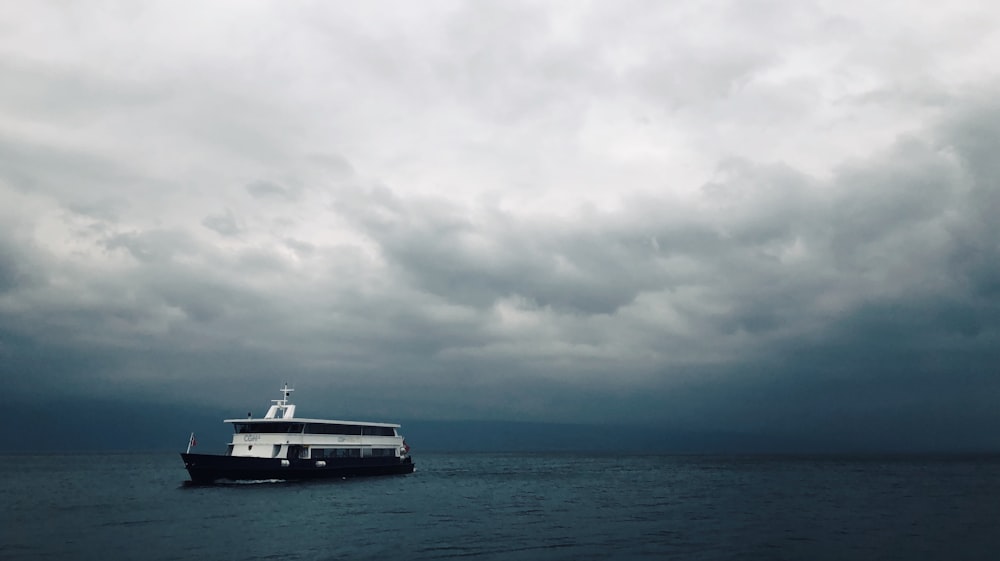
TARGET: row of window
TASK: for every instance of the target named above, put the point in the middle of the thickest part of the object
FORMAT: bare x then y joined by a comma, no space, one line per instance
324,453
366,430
313,428
269,428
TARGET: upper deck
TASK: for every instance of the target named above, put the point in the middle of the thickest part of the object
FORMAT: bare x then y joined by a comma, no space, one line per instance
311,426
311,421
280,419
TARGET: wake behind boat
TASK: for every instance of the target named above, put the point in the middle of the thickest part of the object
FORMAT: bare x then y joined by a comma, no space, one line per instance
282,446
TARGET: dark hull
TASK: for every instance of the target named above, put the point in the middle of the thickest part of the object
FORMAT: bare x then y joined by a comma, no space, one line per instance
208,468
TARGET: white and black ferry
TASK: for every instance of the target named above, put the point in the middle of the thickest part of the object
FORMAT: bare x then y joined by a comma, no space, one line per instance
282,446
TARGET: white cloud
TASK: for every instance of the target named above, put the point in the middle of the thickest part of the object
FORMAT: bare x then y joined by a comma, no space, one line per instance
446,195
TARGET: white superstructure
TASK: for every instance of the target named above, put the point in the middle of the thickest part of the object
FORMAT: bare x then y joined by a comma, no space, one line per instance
279,434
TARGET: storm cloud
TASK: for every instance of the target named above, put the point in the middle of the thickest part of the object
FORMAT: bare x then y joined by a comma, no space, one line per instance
697,216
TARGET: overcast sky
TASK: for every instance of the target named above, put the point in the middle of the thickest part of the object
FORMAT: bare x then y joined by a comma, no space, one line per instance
720,215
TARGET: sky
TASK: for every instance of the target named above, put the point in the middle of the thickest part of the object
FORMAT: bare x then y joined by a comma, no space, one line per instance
754,217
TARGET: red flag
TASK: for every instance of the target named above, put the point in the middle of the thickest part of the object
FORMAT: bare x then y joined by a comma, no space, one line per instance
194,441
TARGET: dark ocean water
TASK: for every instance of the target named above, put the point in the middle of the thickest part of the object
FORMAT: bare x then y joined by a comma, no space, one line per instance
510,506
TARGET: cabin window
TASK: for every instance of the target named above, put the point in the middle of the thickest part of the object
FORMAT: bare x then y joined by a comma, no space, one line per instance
332,428
267,428
378,431
383,452
327,453
355,430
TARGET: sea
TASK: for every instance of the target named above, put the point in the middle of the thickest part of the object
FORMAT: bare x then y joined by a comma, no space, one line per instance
510,506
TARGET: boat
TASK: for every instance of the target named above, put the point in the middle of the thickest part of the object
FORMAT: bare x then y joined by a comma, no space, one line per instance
281,446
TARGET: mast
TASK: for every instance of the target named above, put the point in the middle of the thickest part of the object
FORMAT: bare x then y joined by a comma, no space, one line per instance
282,408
